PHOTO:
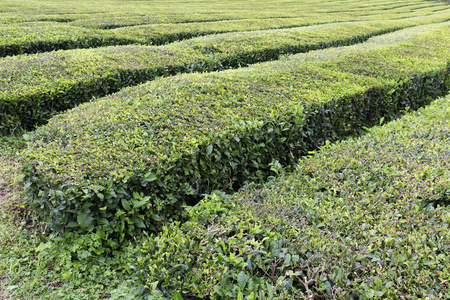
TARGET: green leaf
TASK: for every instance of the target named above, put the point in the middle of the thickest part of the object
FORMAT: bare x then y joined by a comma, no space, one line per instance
156,217
270,290
103,221
209,149
242,279
100,234
100,195
139,223
42,246
240,296
149,177
85,220
177,296
72,225
320,225
137,204
287,260
126,205
428,262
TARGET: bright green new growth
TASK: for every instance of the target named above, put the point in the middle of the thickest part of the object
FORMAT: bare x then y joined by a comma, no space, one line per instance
33,88
362,218
125,162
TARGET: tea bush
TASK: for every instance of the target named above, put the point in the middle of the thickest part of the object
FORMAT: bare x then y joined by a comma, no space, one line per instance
362,219
125,163
35,87
36,37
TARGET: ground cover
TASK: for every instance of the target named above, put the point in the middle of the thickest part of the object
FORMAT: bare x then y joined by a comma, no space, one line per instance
34,87
117,165
365,218
29,267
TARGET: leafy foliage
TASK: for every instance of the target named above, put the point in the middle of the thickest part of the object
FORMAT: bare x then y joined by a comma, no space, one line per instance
36,37
355,220
123,164
364,219
116,13
35,87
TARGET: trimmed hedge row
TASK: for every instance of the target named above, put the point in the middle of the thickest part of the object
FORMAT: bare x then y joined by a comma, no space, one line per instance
36,37
108,21
313,16
112,14
361,219
119,165
33,88
158,34
12,18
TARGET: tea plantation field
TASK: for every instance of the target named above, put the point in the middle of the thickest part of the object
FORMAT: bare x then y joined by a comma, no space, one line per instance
224,149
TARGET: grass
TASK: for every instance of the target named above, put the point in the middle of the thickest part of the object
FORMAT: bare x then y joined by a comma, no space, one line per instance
10,177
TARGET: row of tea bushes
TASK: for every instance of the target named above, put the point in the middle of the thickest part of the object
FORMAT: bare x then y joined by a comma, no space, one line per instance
125,163
158,34
36,37
34,87
309,15
361,219
113,14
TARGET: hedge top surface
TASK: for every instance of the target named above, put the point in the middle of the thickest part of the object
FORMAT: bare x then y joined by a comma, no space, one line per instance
33,73
162,120
45,72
